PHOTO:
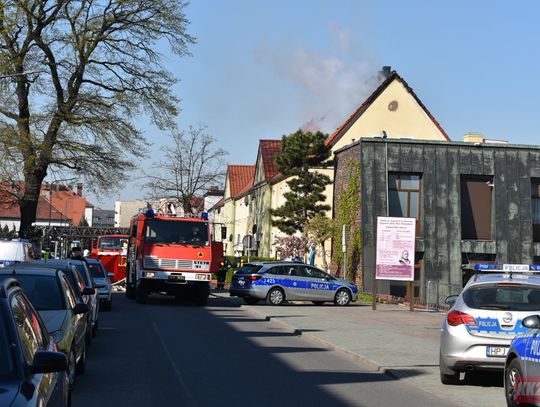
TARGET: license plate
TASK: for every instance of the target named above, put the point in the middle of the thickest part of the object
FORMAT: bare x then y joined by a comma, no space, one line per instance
177,278
496,351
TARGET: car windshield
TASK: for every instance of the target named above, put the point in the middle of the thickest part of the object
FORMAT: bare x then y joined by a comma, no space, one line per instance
7,367
43,291
176,232
96,270
511,297
249,269
112,243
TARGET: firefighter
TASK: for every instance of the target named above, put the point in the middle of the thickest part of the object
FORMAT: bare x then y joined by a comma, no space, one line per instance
222,273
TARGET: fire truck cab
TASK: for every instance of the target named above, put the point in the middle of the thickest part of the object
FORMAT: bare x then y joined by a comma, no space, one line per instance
111,250
171,255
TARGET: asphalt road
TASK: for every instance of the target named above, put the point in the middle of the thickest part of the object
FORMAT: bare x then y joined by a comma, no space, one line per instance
171,354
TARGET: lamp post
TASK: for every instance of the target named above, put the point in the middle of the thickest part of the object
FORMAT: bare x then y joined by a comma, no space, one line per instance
56,181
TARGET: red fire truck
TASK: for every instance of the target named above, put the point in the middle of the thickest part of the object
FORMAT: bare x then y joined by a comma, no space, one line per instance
172,255
112,251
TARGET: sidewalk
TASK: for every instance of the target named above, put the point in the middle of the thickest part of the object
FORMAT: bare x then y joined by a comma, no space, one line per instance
392,339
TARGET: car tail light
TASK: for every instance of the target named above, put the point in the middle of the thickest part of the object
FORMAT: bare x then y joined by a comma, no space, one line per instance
455,318
254,277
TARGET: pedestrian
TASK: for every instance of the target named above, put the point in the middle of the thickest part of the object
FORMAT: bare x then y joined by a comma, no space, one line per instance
222,273
76,253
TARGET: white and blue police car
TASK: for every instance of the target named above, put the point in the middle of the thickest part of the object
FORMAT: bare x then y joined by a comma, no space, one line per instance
478,330
522,367
277,282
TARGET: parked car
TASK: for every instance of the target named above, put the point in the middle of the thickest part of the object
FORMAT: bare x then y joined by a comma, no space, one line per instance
522,367
103,284
32,369
15,251
84,293
52,296
277,282
483,320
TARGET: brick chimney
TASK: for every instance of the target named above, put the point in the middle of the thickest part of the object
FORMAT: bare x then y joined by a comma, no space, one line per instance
79,189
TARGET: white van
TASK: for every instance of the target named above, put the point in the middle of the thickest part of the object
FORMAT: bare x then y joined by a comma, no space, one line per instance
15,251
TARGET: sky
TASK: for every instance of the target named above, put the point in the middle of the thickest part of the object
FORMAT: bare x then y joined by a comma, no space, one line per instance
261,69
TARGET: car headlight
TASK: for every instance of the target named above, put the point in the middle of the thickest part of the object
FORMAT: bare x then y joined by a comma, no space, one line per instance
57,336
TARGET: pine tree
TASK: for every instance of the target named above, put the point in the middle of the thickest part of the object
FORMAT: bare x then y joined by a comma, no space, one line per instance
302,153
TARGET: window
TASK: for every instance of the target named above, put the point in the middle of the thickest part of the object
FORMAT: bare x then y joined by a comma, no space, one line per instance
476,196
70,295
278,271
7,366
43,291
404,196
535,203
312,272
28,328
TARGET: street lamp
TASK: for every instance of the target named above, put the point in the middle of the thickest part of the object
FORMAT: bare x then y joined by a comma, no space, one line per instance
50,195
67,200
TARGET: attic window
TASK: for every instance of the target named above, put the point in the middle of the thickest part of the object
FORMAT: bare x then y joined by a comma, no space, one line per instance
393,105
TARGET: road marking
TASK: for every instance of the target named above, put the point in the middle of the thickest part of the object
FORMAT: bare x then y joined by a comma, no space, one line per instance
176,370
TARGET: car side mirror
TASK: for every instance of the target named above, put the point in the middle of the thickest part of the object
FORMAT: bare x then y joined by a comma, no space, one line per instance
48,362
531,322
88,291
110,275
451,299
80,308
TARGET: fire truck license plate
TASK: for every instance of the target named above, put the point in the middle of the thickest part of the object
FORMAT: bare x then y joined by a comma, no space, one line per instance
177,278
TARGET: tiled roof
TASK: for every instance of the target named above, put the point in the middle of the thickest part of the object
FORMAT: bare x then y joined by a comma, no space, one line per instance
246,188
239,176
268,150
334,137
72,205
9,208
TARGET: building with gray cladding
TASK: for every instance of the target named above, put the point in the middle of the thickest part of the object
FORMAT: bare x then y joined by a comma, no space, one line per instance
474,203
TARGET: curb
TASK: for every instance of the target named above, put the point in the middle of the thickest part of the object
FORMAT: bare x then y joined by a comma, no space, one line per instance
328,344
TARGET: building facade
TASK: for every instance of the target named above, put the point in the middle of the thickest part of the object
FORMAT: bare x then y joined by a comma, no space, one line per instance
474,203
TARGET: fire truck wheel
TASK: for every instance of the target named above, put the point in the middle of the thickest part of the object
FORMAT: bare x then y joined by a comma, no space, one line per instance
202,295
130,292
140,295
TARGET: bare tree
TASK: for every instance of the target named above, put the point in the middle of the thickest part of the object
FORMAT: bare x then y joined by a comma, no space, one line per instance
190,165
73,76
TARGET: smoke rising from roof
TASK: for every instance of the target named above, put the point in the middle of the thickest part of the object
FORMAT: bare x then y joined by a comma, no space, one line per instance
331,83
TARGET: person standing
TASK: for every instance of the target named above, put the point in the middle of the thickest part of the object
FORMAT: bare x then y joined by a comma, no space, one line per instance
222,273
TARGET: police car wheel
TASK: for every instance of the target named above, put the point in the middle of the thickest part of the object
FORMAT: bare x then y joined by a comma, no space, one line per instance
513,373
450,378
275,296
343,297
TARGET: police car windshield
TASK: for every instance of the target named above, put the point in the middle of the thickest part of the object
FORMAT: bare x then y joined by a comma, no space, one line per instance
43,291
503,297
249,269
7,367
176,232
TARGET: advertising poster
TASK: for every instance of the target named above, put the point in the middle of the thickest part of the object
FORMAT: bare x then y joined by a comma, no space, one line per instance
395,248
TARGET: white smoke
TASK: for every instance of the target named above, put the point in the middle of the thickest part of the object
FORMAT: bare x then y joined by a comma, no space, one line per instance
331,83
